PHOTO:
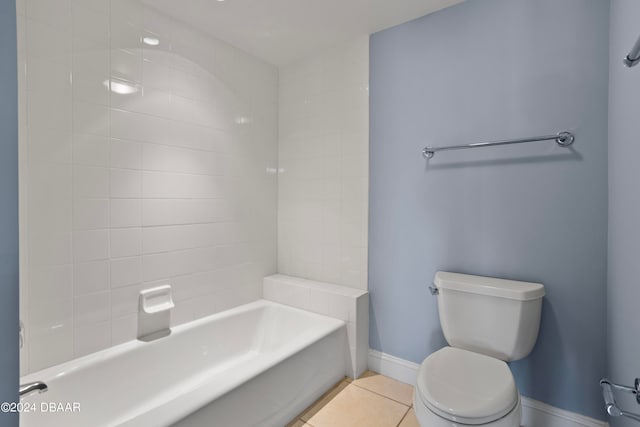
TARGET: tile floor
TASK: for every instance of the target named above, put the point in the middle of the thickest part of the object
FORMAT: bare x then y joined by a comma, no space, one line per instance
372,400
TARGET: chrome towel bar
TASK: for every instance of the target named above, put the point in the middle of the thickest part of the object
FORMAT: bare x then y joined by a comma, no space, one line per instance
610,402
634,55
564,139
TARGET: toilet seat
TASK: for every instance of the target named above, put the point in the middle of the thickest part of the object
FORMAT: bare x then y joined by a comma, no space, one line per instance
466,387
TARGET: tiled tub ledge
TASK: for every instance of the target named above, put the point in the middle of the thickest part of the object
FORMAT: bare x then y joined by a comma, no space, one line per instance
350,305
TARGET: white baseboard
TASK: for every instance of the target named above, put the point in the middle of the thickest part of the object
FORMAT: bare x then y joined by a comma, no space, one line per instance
534,413
393,367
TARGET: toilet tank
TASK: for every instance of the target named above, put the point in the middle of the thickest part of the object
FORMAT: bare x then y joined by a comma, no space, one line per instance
496,317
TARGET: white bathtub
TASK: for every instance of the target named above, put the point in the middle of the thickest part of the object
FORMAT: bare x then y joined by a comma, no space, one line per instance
255,365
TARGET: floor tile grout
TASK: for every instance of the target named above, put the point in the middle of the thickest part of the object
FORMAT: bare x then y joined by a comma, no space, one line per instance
382,395
403,417
349,381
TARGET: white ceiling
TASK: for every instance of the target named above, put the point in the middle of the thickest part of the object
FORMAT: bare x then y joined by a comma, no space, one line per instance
281,31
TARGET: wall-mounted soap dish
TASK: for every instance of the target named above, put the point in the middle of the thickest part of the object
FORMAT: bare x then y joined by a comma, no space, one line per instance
154,313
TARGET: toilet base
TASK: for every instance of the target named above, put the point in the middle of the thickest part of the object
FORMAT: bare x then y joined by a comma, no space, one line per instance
426,418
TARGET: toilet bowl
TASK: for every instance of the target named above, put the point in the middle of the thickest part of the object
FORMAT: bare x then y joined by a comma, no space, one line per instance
458,387
487,322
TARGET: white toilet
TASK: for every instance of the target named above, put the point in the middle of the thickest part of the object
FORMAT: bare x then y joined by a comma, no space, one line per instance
486,322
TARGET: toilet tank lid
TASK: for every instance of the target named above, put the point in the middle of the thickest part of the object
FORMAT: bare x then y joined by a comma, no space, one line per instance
491,286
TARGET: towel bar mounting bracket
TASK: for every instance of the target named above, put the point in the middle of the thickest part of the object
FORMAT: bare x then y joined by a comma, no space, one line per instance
612,408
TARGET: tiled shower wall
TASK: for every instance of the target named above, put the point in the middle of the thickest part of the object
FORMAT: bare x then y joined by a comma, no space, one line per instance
141,164
323,159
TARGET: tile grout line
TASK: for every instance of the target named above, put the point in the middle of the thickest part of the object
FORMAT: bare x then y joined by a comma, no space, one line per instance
382,395
325,394
403,417
351,382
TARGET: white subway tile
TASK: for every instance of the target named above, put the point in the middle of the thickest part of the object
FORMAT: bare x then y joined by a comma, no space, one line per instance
50,248
158,266
197,284
353,210
126,64
182,108
90,214
164,239
340,307
126,26
125,242
44,316
323,185
49,112
126,271
125,154
144,99
155,73
200,259
91,308
90,150
50,41
50,206
353,278
91,337
90,182
124,300
51,346
50,182
353,235
125,183
124,329
90,277
140,127
160,212
184,82
206,305
101,165
126,213
172,185
209,210
95,6
49,146
21,8
91,65
331,265
182,312
58,13
48,78
90,26
90,118
91,89
52,283
159,56
181,160
319,301
90,245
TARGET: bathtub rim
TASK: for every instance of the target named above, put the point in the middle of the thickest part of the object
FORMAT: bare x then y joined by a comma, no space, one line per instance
116,350
198,394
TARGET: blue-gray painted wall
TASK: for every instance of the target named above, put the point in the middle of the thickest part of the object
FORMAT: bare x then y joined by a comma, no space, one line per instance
623,285
484,70
9,364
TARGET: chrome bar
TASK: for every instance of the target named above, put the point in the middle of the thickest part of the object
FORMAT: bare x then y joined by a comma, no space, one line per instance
634,55
610,402
30,388
564,139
